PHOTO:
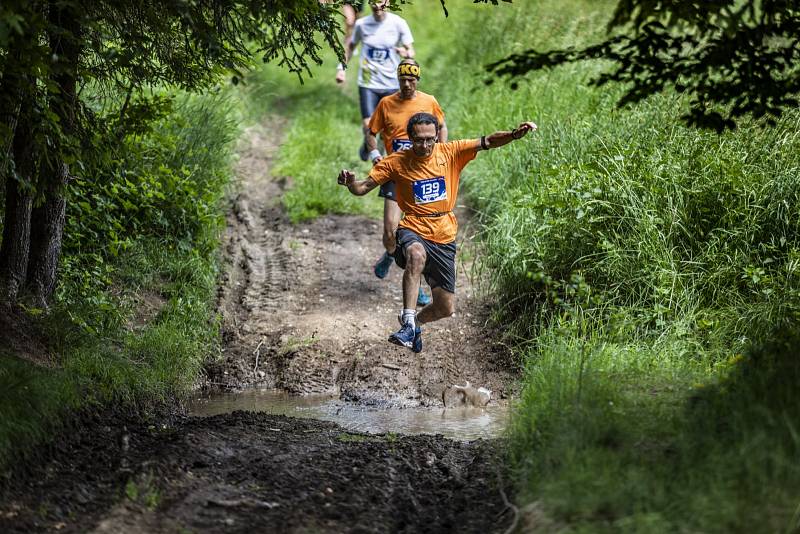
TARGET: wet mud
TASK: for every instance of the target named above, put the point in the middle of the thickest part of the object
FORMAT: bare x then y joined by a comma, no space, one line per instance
250,472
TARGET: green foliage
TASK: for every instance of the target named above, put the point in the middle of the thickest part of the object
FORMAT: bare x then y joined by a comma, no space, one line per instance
707,51
166,187
146,222
131,46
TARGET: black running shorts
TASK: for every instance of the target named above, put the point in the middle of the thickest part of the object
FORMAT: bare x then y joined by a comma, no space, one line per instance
387,191
440,264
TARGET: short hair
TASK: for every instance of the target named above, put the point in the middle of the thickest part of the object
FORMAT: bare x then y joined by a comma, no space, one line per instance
421,118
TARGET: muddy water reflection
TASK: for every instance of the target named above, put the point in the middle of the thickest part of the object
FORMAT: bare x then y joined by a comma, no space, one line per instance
457,423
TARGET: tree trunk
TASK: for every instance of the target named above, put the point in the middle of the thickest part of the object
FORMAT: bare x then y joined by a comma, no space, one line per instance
18,94
48,219
47,229
17,224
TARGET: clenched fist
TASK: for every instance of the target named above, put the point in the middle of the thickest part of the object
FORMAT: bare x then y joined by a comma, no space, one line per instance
346,178
523,129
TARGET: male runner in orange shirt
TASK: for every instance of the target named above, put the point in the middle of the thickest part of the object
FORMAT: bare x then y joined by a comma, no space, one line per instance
389,120
426,180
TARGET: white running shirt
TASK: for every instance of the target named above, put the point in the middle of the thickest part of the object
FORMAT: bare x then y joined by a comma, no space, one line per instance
378,61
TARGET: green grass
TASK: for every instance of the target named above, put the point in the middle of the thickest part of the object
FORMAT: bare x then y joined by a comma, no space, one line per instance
646,271
138,369
634,437
636,259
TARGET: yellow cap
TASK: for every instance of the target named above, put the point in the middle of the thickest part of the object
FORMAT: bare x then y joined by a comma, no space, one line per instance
408,69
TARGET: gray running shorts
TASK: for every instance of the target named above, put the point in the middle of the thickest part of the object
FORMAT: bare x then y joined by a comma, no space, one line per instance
440,264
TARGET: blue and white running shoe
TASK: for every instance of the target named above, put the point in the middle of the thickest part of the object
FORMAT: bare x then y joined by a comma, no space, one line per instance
408,337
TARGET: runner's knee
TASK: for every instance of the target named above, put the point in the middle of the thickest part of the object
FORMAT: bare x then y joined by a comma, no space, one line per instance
416,256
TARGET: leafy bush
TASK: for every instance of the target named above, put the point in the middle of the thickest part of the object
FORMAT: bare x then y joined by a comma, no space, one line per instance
166,184
145,218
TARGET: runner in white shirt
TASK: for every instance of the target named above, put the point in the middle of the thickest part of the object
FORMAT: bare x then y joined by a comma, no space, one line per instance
385,39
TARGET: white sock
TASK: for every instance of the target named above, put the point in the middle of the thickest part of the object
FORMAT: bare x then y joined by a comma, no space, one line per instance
409,317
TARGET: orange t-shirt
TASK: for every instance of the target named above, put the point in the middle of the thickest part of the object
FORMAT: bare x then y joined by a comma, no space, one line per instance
427,186
391,117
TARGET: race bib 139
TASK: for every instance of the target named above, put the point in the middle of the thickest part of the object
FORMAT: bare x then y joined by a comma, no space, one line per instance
430,190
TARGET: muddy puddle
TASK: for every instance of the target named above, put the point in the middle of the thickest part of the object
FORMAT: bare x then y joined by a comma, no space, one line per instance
463,424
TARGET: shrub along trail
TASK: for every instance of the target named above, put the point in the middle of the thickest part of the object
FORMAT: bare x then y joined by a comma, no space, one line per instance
301,311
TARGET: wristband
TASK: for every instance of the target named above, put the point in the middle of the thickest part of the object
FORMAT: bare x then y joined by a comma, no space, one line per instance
341,66
484,146
375,153
514,134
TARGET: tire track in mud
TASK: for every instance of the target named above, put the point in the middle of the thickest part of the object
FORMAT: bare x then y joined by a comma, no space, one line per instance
302,310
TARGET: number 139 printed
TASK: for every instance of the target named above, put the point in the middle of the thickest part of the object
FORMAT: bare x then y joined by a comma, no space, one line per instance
430,190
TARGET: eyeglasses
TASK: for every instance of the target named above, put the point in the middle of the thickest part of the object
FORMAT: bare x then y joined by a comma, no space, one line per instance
424,141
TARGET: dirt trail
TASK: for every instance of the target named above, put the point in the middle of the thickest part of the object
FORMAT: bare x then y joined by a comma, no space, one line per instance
301,311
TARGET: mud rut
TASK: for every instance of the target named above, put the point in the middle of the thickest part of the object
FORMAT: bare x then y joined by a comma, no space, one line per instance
301,311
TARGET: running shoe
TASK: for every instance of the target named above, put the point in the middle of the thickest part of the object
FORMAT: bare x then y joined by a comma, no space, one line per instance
381,268
416,344
363,153
405,336
422,298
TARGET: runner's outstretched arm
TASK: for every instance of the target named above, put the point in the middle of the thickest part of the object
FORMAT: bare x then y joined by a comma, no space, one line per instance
360,187
501,138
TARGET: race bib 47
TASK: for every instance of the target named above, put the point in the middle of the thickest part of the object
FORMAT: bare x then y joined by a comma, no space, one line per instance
430,190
